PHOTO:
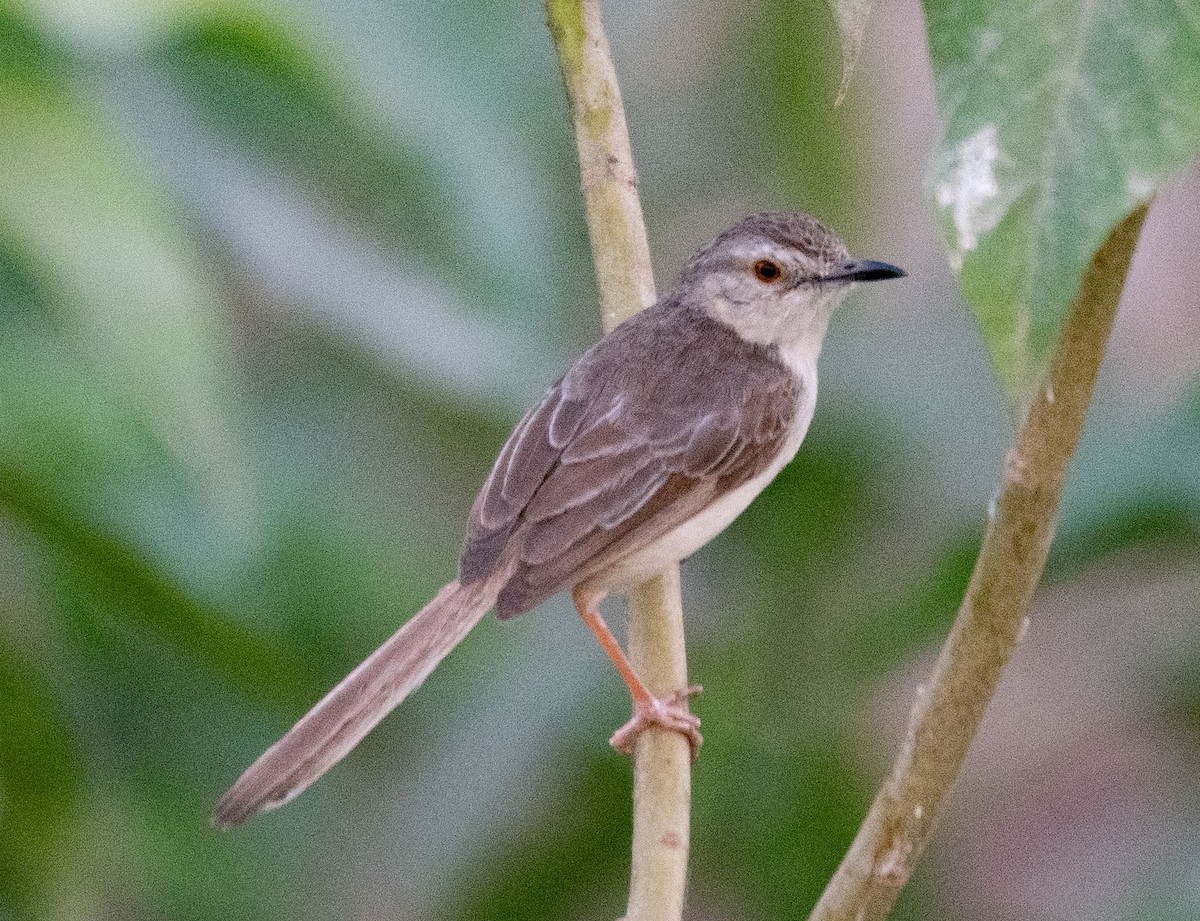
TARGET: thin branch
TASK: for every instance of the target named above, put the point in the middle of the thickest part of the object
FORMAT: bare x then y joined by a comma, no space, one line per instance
662,759
624,275
948,711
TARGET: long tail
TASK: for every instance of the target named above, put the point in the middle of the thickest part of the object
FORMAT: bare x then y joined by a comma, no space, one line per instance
329,730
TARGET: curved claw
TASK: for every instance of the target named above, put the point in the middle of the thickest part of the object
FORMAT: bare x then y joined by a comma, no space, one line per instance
669,713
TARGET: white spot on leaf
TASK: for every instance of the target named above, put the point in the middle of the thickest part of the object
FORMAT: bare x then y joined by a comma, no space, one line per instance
989,41
1139,187
969,189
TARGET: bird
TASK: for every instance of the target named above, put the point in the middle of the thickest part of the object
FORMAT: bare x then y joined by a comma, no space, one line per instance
649,446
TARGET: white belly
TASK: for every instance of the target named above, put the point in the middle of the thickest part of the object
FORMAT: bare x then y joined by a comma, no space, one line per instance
689,537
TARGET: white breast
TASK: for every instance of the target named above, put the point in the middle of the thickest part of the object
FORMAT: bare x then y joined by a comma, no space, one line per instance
689,537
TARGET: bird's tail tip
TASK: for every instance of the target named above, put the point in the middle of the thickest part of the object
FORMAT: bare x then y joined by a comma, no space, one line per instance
337,723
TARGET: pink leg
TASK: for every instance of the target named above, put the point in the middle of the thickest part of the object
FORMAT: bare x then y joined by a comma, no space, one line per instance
648,710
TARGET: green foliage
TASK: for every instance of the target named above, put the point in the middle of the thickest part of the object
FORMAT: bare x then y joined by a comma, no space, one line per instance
1060,118
251,80
40,766
787,81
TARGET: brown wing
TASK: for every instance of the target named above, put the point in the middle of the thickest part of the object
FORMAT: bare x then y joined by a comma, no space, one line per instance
664,415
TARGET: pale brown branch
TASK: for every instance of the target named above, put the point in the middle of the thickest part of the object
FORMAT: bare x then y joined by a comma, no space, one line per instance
662,759
614,212
949,709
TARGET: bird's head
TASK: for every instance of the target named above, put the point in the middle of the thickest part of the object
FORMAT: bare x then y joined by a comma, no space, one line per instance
776,278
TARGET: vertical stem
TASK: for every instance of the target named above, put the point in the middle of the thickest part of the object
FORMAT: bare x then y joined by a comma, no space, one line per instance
948,711
624,276
662,759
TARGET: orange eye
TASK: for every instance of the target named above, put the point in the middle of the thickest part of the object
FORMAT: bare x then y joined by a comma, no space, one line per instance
767,272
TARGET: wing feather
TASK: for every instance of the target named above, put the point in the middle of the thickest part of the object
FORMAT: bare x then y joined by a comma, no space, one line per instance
600,468
571,485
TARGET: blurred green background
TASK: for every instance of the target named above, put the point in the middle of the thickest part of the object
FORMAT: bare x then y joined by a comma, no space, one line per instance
275,281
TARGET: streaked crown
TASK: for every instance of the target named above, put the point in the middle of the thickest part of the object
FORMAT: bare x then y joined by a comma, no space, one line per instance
813,249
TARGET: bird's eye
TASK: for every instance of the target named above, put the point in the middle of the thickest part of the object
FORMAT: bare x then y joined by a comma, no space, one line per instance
767,271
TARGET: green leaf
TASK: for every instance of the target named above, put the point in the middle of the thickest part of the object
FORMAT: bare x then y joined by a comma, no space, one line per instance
151,601
40,779
116,446
1060,118
29,55
267,86
116,285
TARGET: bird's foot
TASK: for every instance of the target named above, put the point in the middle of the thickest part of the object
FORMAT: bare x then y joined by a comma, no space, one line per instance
669,713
